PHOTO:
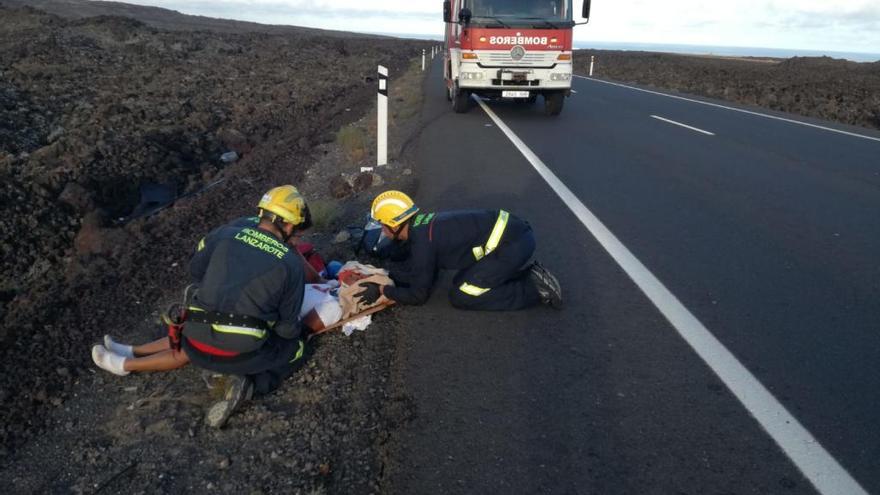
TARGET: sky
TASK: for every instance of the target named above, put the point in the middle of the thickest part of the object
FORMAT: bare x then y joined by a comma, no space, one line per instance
821,25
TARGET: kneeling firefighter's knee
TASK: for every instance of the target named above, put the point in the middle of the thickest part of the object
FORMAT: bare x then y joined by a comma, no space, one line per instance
461,300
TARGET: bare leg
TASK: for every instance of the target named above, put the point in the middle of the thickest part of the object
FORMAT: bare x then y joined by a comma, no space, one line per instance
160,361
153,347
313,322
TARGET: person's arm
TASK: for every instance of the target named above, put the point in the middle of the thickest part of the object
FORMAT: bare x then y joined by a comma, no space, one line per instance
288,324
411,296
198,264
312,275
421,275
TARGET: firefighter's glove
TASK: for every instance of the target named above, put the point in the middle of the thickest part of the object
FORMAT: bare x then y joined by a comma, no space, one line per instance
370,294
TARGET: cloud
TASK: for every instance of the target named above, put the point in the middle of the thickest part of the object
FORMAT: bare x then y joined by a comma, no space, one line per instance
842,25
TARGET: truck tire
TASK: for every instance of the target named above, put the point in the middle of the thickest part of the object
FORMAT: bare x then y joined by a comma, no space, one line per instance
461,100
553,103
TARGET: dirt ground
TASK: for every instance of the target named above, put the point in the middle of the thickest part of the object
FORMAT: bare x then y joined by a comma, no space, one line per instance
92,109
831,89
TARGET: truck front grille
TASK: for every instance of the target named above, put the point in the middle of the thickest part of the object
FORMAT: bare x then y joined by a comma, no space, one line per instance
501,82
529,59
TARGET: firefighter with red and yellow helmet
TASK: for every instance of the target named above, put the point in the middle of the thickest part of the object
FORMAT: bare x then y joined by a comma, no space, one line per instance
489,248
244,319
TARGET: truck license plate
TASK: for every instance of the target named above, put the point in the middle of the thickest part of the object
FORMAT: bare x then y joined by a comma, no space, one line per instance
514,94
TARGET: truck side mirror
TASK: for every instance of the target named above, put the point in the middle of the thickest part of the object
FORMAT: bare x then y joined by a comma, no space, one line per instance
447,11
586,12
464,16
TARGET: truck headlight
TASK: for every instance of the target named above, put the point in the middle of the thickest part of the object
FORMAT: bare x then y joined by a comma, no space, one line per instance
560,76
471,75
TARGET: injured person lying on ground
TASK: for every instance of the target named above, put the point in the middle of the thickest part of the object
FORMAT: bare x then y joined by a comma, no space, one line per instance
324,305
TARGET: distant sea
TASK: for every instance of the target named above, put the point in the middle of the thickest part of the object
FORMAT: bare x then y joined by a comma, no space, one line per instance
730,51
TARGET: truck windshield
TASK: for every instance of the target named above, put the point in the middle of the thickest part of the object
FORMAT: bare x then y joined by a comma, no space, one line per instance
519,13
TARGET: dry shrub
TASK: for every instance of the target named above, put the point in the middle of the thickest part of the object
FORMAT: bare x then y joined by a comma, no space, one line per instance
325,212
353,142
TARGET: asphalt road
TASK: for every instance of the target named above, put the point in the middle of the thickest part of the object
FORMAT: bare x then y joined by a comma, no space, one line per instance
768,232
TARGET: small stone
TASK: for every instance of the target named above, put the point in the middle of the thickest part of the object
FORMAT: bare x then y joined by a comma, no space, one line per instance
229,157
63,371
339,187
378,180
224,463
342,236
407,171
362,181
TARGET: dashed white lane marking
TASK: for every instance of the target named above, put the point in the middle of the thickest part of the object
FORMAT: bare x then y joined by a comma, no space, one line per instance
683,125
716,105
817,465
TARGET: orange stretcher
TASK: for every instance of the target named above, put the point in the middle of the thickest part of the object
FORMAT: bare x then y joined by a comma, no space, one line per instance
340,323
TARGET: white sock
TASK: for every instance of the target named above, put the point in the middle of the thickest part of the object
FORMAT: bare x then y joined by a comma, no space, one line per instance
107,360
117,348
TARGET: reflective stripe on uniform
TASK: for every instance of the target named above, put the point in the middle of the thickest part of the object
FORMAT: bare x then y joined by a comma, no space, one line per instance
472,290
299,353
252,332
494,238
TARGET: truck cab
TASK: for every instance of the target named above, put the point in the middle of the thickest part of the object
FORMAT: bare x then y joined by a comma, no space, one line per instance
512,49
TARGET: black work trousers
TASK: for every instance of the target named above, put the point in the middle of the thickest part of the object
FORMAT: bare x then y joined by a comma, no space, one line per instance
499,281
268,366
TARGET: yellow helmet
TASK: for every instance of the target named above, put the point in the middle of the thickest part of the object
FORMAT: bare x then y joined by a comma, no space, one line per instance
392,208
287,203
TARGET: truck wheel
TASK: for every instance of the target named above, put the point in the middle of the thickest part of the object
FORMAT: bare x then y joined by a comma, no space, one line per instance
461,100
553,103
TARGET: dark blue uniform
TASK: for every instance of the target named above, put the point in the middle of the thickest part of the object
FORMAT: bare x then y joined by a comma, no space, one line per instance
489,248
247,273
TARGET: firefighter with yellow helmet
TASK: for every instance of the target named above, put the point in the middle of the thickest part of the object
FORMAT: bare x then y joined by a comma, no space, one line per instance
243,321
489,248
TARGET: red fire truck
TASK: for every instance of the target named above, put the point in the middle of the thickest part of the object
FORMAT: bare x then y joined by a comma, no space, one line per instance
515,49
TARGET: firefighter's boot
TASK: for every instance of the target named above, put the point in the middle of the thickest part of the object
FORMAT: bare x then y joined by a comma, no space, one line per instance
547,285
239,390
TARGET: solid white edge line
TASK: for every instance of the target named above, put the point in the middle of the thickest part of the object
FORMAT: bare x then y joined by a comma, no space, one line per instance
682,125
816,464
716,105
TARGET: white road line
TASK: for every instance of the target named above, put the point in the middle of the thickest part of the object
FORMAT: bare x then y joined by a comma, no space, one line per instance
574,92
759,114
683,125
817,465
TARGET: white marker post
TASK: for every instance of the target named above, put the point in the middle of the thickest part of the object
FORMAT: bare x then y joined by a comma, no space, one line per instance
592,59
382,122
423,60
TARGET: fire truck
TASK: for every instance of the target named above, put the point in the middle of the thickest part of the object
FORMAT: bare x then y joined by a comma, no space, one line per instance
512,49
